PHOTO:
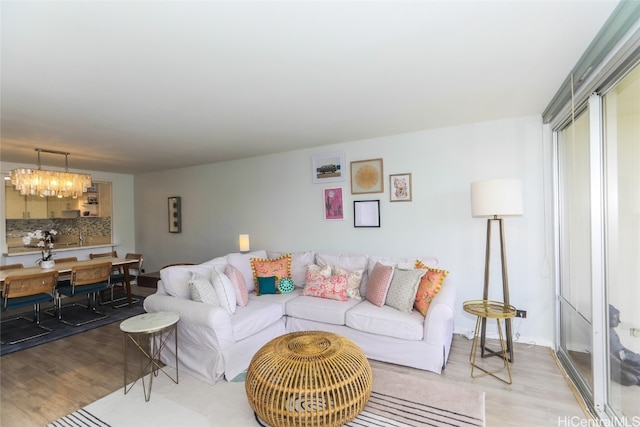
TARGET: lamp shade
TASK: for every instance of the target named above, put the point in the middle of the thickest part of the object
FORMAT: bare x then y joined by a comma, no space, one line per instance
243,242
499,197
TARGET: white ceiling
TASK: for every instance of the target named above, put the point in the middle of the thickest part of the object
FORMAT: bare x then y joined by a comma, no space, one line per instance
140,86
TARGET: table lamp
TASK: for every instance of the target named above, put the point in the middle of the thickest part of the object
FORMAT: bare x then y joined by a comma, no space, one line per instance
243,242
495,198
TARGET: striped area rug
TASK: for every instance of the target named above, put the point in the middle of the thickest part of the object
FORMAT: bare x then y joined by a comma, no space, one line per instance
397,400
384,410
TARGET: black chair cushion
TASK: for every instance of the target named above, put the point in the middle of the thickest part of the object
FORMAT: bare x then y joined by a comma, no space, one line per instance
83,290
28,301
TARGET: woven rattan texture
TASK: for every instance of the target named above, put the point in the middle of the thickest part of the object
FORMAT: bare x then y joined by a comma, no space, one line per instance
308,379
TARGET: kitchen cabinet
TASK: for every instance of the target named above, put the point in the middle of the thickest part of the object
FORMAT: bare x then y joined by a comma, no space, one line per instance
56,205
14,204
23,207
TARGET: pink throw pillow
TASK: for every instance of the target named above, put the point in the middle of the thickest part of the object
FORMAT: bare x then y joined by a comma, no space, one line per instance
378,285
239,285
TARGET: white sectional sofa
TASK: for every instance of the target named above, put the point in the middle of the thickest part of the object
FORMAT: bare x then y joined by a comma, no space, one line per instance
218,341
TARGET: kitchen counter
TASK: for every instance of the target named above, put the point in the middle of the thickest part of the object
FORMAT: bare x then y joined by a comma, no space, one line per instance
65,247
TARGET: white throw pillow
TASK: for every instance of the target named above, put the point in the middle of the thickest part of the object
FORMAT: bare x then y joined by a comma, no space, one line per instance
224,290
202,290
176,278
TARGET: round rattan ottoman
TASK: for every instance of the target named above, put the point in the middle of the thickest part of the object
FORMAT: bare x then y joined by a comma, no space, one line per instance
308,379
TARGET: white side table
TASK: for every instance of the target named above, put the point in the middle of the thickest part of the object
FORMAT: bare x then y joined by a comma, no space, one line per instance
158,327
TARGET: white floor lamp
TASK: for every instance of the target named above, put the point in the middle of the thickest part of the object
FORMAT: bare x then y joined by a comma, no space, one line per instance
494,199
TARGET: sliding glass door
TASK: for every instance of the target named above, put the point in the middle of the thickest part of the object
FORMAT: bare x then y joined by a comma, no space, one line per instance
622,153
574,247
598,248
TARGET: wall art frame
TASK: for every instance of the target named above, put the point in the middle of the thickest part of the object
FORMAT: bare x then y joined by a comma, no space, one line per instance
333,204
366,213
400,187
175,214
367,176
328,167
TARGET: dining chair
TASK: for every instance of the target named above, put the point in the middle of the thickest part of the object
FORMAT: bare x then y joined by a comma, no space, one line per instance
118,280
65,278
10,267
85,280
23,291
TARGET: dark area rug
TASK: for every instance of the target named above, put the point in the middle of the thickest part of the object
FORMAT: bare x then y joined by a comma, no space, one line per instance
59,329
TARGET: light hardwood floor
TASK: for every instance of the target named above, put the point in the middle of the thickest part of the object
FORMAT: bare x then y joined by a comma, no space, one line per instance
44,383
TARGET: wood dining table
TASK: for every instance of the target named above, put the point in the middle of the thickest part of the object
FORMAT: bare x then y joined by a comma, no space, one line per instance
67,267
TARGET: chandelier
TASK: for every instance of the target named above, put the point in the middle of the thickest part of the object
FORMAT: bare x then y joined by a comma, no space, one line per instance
44,183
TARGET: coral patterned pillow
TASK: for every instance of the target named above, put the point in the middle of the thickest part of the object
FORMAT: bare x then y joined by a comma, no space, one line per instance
277,267
429,286
332,287
316,275
378,285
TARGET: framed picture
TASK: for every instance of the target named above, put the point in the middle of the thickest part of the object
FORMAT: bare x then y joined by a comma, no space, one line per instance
366,176
366,213
175,221
328,167
333,204
400,187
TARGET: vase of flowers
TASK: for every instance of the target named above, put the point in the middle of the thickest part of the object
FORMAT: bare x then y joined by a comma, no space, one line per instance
45,242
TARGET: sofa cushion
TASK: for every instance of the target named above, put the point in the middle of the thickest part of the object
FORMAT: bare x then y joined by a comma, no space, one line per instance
346,262
176,279
220,262
299,262
428,288
224,290
386,321
403,288
280,299
320,309
378,286
332,287
241,262
253,318
278,267
239,285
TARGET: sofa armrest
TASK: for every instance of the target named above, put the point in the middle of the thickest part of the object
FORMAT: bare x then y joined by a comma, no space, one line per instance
438,324
195,313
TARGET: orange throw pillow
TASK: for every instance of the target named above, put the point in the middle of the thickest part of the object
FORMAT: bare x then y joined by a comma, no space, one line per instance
429,286
279,267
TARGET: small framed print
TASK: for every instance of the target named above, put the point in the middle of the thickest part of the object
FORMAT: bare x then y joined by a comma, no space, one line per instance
175,221
333,204
366,213
328,167
366,176
400,187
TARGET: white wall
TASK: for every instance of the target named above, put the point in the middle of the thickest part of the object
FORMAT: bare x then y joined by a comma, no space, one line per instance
273,199
123,214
